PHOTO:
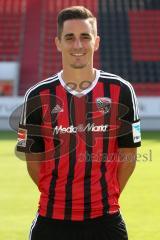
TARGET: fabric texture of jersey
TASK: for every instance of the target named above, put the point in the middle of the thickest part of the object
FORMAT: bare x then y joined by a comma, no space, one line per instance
80,135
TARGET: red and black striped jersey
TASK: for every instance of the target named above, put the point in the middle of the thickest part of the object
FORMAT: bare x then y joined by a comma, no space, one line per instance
80,134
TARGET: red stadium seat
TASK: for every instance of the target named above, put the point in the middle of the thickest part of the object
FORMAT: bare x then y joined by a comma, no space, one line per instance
11,30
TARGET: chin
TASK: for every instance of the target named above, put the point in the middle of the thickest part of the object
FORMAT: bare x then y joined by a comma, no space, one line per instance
78,66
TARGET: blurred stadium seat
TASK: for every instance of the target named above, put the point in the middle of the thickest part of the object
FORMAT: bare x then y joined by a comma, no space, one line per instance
131,42
12,15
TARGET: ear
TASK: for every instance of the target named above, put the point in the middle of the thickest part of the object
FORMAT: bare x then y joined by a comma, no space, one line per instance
97,41
58,44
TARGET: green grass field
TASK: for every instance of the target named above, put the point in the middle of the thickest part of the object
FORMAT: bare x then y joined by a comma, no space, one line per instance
140,201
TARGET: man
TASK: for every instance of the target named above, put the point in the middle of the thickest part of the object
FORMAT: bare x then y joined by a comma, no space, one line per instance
79,130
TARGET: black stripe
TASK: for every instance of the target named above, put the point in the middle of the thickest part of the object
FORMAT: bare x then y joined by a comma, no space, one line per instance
103,162
47,85
127,84
110,80
34,90
56,155
88,166
72,158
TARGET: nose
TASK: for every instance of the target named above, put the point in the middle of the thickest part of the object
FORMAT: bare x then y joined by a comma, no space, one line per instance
77,43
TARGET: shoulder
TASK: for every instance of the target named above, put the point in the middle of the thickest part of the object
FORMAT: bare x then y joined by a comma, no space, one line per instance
115,79
40,86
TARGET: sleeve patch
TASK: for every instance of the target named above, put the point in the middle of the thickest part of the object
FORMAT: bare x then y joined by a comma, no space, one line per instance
22,137
136,130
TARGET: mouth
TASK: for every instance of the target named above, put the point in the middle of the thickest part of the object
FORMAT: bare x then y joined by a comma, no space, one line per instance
77,54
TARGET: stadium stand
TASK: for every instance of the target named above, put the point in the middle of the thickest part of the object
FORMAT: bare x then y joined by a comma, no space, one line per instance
129,30
12,18
31,53
130,42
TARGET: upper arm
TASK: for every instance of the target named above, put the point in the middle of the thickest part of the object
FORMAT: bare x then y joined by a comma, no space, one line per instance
129,131
34,159
30,139
128,155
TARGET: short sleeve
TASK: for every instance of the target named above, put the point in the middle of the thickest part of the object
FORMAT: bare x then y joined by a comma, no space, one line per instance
129,131
30,139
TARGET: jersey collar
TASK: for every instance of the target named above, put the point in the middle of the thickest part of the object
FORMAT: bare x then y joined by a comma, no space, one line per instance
76,93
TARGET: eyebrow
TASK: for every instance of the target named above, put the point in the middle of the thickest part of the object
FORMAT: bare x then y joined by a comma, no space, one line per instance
68,35
85,34
71,34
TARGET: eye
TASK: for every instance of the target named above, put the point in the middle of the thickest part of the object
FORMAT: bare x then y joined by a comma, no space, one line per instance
69,38
87,37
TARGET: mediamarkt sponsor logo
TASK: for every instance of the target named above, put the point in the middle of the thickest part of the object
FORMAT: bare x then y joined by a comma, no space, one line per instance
80,128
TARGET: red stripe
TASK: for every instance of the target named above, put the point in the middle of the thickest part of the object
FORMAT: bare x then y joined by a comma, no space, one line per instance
79,172
63,166
48,165
111,174
96,191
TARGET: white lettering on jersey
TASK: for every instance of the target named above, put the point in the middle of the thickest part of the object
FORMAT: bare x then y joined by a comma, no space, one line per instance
80,128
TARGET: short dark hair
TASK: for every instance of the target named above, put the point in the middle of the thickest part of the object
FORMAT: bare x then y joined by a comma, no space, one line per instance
75,12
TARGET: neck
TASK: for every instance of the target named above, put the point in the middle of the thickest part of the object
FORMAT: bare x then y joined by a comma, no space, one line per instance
78,76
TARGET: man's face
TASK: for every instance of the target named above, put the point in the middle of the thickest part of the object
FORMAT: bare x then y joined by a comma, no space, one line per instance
77,44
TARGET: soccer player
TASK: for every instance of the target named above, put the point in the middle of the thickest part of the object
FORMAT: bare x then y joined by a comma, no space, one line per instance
79,130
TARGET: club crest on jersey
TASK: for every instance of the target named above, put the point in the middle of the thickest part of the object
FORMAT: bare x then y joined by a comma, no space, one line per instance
103,104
